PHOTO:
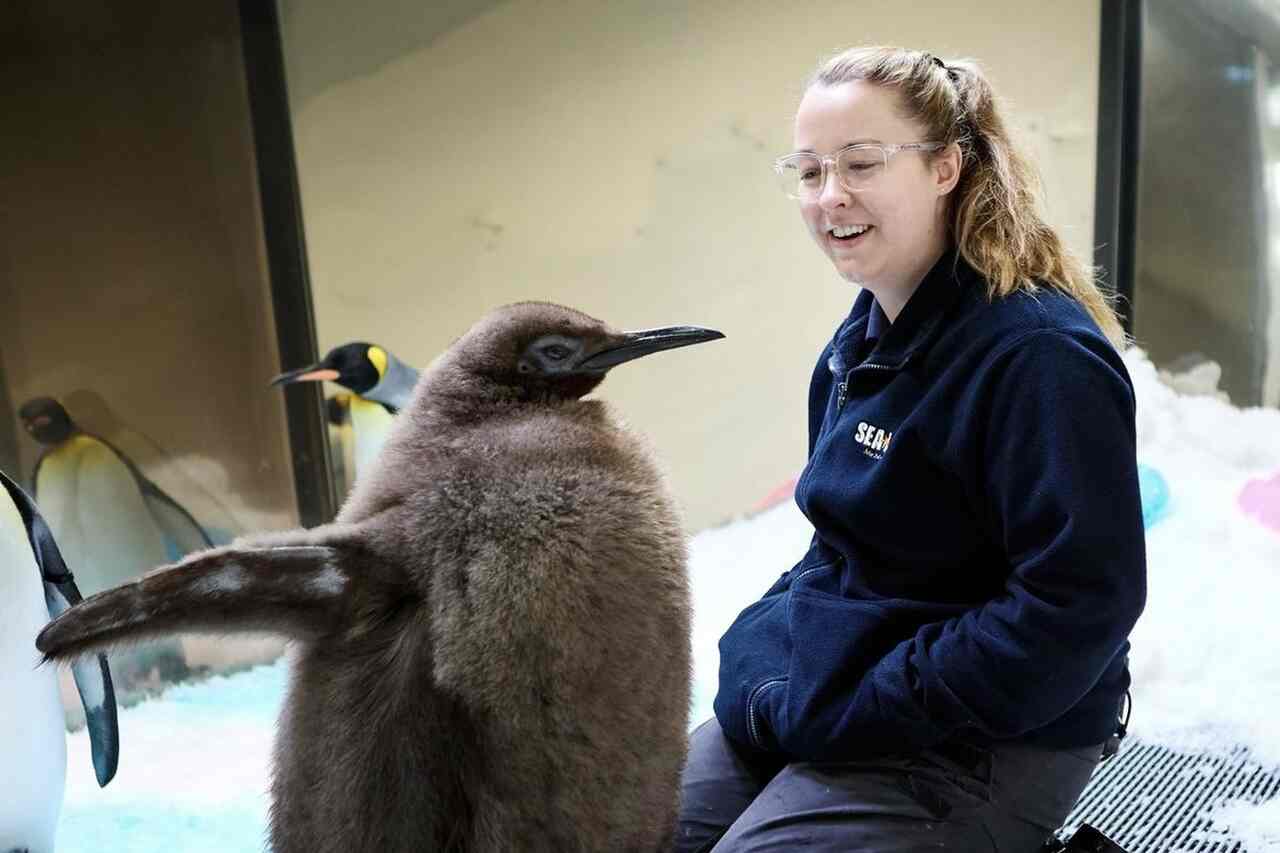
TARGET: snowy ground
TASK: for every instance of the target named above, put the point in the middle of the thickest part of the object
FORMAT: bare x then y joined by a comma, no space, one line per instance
1206,660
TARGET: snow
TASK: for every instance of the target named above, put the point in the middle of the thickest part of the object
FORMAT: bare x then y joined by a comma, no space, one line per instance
193,772
1257,827
1206,654
1206,673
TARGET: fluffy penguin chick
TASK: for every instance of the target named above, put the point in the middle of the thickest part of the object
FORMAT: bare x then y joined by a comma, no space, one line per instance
493,635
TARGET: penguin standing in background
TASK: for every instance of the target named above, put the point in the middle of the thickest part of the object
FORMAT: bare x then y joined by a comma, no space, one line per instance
111,522
381,385
367,369
492,637
35,586
70,456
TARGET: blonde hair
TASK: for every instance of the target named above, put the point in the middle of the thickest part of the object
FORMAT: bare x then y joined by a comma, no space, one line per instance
994,218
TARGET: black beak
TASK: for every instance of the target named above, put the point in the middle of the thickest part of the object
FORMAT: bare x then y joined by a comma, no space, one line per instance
314,373
637,344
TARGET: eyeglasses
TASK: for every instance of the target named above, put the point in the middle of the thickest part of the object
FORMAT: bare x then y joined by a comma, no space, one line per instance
802,176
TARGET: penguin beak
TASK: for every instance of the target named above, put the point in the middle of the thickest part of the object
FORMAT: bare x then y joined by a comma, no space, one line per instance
314,373
633,345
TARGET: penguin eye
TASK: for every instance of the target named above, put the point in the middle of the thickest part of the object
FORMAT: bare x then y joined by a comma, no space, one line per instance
556,352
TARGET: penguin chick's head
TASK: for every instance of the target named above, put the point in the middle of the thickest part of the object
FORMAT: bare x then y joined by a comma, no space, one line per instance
356,366
538,351
46,420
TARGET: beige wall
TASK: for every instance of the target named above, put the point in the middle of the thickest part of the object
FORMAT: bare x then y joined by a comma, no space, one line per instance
614,157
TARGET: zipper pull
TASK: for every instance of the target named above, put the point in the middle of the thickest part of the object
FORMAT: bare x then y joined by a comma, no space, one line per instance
842,392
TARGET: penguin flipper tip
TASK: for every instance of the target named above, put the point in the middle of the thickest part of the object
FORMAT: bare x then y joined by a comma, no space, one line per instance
105,755
97,694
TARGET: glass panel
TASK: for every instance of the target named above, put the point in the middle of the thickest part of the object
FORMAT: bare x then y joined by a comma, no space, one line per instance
134,295
1204,292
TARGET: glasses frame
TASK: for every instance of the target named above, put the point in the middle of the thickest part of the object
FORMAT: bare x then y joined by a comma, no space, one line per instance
886,151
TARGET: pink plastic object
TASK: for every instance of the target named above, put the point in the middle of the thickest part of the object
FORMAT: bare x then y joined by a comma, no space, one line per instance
1261,499
779,494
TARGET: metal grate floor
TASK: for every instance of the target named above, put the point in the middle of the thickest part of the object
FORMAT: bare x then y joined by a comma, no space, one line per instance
1150,799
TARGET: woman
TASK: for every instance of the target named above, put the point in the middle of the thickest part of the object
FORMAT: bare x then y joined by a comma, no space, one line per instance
944,665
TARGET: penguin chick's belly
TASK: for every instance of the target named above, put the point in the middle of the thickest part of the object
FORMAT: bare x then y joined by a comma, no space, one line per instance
564,628
33,744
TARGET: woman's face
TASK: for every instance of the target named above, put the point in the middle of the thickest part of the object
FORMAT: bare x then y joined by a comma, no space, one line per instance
905,208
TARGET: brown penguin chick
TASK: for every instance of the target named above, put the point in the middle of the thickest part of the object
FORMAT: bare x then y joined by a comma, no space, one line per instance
492,637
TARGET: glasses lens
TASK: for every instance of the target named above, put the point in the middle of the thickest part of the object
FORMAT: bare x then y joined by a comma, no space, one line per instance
799,176
859,167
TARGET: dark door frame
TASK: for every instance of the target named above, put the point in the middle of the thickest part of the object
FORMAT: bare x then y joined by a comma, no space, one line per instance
287,256
1116,193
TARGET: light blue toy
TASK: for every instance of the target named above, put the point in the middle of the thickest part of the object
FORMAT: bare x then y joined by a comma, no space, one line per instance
1155,495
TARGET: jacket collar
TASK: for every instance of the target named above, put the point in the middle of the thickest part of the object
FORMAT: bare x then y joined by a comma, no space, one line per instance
918,323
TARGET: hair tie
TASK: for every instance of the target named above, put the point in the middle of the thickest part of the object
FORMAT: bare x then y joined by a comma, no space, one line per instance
952,73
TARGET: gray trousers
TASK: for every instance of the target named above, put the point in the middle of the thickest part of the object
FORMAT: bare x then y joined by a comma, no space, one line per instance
1009,798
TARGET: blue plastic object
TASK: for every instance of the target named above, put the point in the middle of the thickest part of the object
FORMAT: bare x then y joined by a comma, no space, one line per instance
1155,495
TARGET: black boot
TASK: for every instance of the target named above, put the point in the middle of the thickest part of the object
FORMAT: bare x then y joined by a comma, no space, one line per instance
1086,840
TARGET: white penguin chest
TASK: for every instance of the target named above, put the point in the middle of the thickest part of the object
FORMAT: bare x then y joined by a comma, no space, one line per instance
95,507
33,747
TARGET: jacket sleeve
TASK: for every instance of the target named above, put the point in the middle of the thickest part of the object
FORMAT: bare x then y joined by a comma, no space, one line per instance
1057,456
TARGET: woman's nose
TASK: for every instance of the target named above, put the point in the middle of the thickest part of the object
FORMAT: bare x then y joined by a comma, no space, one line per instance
833,193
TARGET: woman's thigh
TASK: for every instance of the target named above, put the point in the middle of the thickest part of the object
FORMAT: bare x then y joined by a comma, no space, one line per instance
1034,789
717,785
963,798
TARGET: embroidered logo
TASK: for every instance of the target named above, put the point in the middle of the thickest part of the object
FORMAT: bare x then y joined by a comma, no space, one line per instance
874,440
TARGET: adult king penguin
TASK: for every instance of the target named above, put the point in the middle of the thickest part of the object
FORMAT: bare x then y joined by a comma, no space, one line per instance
111,521
366,369
34,586
381,385
493,635
75,465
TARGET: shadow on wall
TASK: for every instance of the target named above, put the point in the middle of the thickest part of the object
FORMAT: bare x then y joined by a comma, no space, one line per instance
369,41
8,430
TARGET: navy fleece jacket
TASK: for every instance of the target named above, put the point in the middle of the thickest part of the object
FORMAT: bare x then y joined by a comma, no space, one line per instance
978,558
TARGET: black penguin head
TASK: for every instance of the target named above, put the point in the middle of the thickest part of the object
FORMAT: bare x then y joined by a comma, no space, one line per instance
46,420
538,351
356,366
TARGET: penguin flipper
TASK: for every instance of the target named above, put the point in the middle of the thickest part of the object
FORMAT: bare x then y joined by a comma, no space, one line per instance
297,591
180,528
181,531
92,676
97,694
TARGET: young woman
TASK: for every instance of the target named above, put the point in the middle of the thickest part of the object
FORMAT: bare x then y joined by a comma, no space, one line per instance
944,665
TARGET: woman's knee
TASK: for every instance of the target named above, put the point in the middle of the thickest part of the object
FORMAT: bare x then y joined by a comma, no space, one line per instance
717,786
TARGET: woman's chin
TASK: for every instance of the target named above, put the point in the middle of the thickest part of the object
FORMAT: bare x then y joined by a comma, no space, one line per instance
851,272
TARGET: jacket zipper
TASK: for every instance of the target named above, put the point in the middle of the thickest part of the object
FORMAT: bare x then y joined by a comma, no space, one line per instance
842,390
752,729
796,580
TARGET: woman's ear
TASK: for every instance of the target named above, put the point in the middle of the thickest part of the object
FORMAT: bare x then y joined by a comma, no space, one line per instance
946,168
